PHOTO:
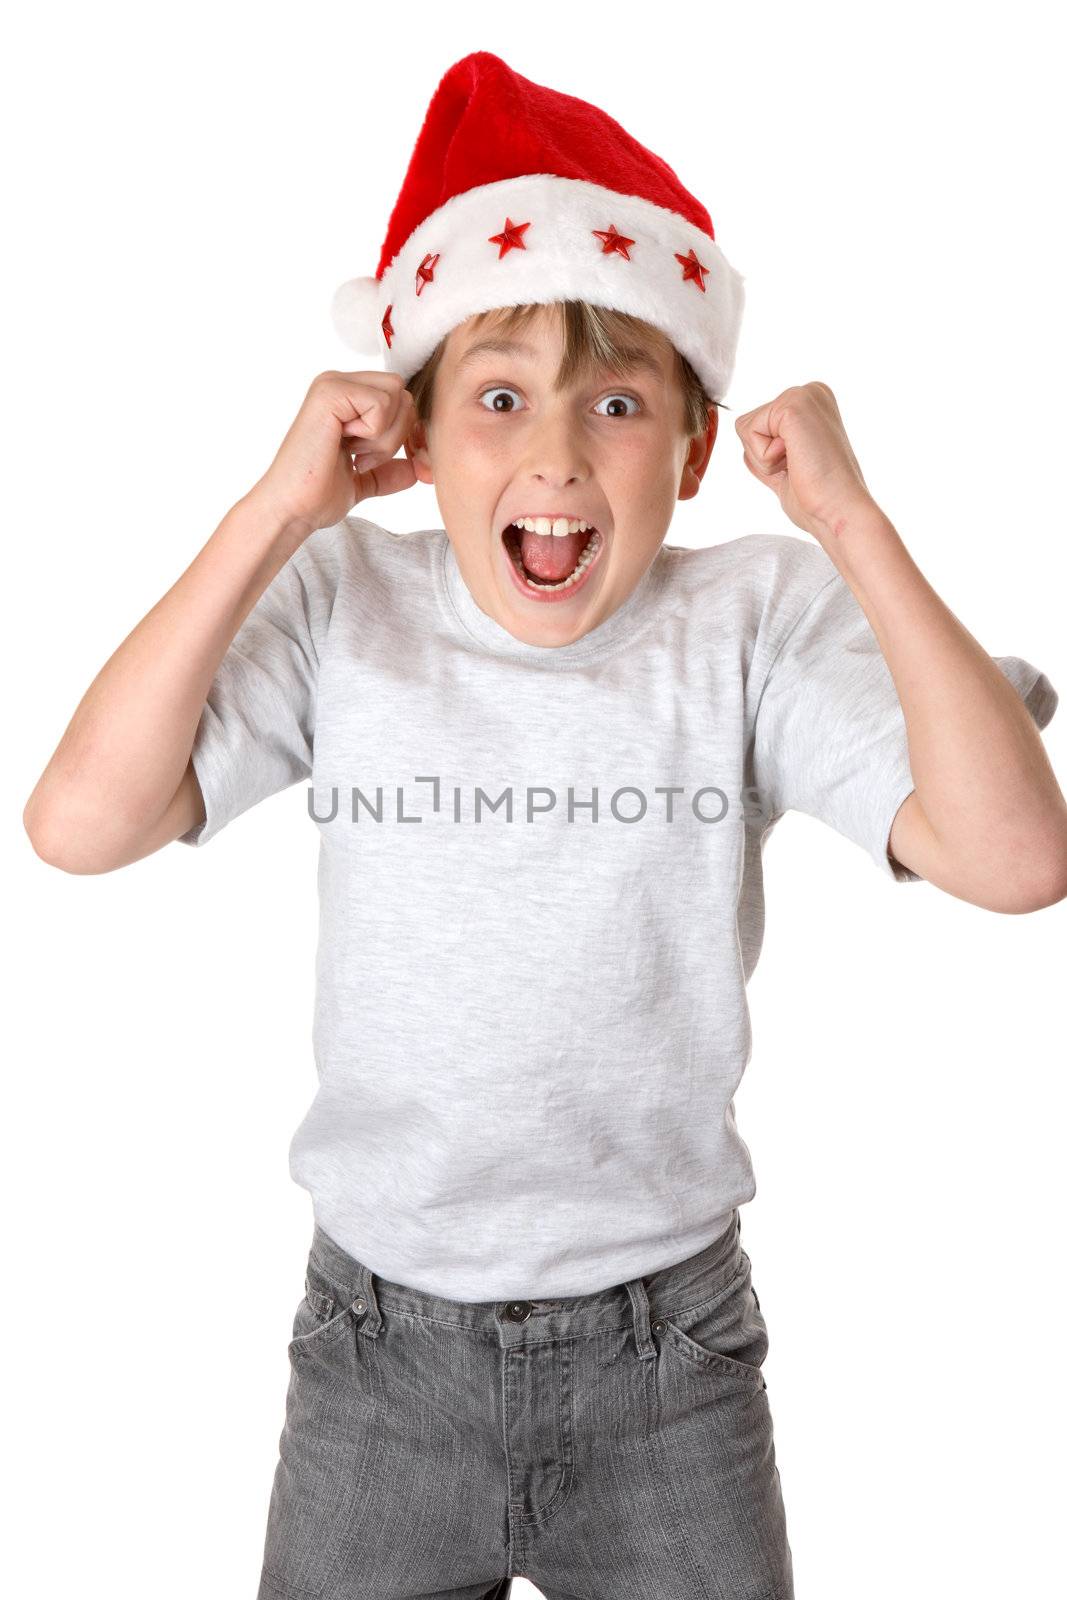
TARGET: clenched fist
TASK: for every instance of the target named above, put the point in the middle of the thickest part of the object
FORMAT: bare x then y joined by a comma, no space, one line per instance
797,446
341,448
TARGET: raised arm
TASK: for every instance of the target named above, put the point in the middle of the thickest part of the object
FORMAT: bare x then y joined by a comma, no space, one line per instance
987,821
120,784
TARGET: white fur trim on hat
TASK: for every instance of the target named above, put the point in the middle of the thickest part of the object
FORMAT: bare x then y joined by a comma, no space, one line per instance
562,260
356,316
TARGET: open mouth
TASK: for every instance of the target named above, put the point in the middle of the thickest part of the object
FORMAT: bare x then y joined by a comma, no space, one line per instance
547,564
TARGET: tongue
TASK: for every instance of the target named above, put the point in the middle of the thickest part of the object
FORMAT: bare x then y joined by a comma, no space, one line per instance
549,558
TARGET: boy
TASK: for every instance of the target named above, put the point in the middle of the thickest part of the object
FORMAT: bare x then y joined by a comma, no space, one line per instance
546,749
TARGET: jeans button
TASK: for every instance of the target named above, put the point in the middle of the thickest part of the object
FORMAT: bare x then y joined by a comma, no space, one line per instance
518,1310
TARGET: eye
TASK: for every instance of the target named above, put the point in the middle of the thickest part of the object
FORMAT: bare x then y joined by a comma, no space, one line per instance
611,398
504,389
497,389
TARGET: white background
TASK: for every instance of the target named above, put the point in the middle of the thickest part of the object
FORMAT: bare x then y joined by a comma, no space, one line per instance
185,187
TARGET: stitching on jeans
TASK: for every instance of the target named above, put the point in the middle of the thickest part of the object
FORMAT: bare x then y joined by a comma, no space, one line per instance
325,1331
552,1338
565,1363
321,1304
690,1350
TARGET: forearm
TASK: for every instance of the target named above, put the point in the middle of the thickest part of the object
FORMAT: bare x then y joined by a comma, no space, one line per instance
982,776
127,747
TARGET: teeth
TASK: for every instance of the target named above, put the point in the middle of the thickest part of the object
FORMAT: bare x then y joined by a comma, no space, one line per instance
558,527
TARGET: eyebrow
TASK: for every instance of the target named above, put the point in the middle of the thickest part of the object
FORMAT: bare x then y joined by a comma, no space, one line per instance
515,347
500,347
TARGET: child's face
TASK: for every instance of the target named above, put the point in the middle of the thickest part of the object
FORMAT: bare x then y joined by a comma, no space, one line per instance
501,444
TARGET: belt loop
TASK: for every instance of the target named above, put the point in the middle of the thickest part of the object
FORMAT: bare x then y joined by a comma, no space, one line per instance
365,1304
642,1335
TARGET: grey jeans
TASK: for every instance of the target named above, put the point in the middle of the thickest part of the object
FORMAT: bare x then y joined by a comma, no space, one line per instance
609,1446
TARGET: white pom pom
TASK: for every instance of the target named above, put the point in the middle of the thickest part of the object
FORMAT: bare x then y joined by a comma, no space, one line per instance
356,316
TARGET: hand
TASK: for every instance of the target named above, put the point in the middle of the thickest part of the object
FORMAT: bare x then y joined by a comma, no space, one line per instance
798,447
340,448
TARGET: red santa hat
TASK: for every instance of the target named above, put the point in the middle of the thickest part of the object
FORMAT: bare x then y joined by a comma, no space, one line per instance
516,193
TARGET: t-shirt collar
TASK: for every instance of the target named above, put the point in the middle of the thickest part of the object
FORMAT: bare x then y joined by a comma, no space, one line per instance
634,614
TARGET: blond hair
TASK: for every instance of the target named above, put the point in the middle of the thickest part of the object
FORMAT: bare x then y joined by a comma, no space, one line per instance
593,336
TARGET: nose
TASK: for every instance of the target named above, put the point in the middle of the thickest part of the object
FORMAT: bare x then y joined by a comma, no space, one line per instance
555,457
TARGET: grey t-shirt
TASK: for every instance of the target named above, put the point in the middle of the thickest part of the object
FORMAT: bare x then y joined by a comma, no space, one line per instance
540,885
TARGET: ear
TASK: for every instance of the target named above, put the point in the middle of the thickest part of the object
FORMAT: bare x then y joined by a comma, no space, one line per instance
698,456
416,448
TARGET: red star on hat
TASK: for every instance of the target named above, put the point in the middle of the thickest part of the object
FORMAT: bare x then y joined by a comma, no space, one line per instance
424,272
694,270
614,241
511,238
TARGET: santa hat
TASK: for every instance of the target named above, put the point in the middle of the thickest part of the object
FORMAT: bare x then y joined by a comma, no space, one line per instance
516,193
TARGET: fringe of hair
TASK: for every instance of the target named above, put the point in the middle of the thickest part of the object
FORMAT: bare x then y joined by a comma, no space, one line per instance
593,336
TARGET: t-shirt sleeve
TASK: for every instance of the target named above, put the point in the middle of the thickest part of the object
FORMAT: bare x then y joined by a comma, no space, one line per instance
830,737
256,731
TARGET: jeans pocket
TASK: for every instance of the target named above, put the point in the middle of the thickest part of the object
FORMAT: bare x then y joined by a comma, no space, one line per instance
323,1494
726,1334
321,1314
